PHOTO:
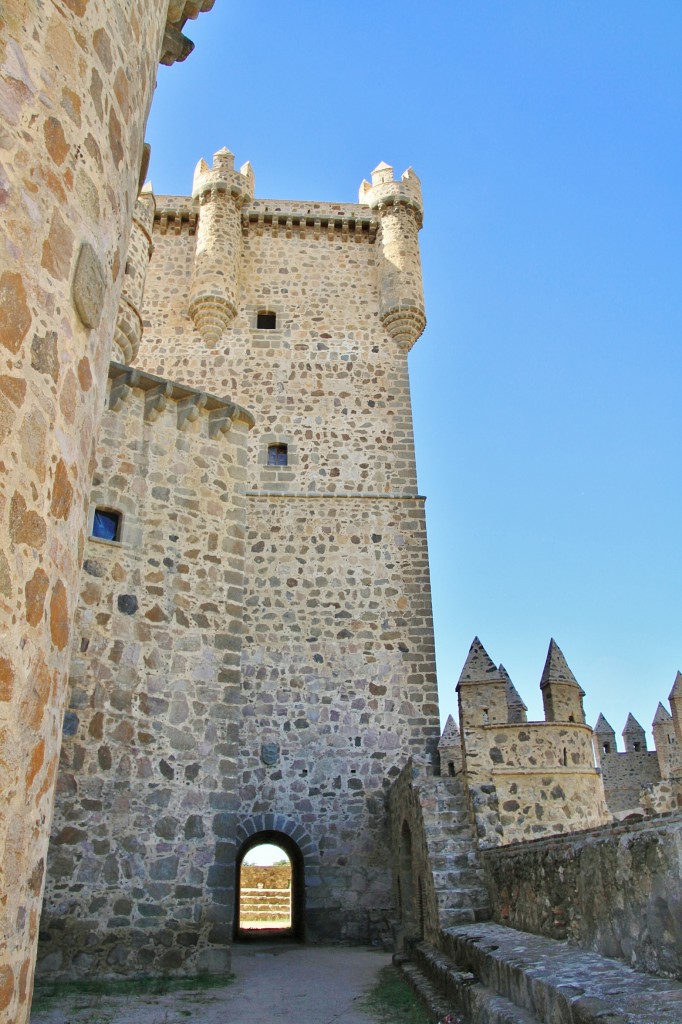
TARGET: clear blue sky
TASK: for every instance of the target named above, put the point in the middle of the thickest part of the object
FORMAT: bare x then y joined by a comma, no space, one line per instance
547,385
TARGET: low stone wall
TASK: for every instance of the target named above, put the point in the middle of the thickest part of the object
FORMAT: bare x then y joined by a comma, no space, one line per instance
616,890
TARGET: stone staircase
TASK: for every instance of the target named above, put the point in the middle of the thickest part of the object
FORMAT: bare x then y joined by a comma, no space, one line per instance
490,974
460,891
271,906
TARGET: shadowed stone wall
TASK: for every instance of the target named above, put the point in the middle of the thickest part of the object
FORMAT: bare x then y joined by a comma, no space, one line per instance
140,872
616,890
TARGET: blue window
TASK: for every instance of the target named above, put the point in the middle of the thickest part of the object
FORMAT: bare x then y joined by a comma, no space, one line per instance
278,455
106,524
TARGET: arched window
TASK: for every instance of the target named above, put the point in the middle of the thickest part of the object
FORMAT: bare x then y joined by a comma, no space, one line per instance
106,524
278,455
265,320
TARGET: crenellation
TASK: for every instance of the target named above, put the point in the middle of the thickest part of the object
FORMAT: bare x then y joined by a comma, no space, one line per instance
526,778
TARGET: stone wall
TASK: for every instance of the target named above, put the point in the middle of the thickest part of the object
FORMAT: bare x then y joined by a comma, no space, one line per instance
140,868
413,800
625,774
76,82
268,876
616,890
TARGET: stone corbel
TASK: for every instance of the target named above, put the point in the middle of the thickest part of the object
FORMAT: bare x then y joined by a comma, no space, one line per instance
190,408
156,400
220,421
121,387
175,47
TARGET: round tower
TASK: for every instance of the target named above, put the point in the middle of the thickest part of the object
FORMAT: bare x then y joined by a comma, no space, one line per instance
400,211
128,331
214,293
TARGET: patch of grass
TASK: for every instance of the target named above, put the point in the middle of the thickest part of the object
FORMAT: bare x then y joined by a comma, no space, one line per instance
46,992
392,1000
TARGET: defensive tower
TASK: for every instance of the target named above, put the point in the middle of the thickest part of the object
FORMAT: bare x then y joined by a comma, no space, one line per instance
400,210
221,193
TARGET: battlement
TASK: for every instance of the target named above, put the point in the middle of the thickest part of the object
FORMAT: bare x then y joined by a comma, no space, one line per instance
526,778
222,177
385,190
637,779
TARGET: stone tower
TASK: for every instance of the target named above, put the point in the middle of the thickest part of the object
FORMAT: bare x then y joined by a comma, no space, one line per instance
562,695
604,738
221,193
634,736
303,314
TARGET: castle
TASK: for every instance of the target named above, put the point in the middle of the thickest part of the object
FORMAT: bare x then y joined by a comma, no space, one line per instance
214,575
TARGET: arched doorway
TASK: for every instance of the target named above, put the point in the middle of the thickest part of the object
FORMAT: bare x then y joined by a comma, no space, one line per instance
272,911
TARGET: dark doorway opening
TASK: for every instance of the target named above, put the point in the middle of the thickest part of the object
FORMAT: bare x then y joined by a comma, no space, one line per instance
272,911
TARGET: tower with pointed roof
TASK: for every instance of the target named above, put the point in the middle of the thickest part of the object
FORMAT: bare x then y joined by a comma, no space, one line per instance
605,737
634,736
665,739
562,695
526,779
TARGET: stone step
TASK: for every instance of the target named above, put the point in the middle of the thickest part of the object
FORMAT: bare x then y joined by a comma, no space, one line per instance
429,994
554,981
444,989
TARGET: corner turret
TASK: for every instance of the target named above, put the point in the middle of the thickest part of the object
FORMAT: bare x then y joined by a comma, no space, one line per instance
667,748
128,330
675,698
400,209
481,689
214,294
634,736
562,695
450,748
604,738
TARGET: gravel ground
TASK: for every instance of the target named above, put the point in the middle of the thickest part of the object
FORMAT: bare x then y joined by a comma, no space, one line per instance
296,984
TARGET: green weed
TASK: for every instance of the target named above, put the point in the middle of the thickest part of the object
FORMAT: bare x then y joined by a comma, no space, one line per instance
47,992
392,1000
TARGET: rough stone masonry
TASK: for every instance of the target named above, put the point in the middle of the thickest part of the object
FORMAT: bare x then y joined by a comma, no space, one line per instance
253,654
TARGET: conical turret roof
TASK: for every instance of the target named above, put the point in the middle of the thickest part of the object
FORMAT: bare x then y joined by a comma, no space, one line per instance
479,666
603,728
662,715
556,669
632,726
514,700
677,687
450,734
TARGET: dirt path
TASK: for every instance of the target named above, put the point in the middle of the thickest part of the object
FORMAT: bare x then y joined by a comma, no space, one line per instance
296,984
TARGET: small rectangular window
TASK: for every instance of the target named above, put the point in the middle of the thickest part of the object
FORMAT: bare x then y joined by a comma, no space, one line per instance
277,455
266,321
106,524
